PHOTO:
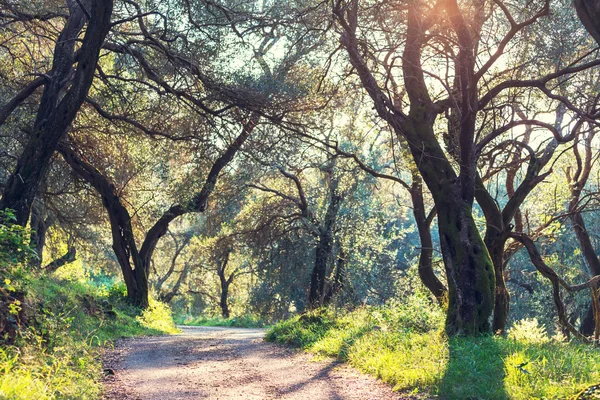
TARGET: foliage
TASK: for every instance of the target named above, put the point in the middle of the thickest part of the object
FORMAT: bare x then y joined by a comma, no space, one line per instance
530,331
14,251
244,321
157,317
409,350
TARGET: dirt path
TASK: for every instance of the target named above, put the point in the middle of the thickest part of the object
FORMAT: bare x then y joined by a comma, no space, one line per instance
229,363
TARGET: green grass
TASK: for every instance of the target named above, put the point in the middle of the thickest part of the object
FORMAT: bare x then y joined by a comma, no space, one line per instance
409,350
58,355
246,321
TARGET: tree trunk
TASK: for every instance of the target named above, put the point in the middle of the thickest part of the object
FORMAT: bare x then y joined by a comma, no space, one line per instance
467,262
337,284
56,112
323,252
124,246
469,268
39,226
587,326
68,257
495,243
223,300
317,276
423,222
224,282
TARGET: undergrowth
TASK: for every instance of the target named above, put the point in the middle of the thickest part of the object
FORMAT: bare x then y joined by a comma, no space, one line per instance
404,345
246,321
57,356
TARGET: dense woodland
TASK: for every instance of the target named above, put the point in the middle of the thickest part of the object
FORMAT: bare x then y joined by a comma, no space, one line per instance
269,158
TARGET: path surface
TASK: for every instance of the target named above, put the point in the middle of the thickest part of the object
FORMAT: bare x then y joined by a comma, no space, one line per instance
229,363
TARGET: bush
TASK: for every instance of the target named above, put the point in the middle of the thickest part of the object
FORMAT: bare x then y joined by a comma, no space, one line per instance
528,330
304,330
158,316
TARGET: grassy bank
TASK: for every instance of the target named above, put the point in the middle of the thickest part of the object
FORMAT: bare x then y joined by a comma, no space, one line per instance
57,354
404,345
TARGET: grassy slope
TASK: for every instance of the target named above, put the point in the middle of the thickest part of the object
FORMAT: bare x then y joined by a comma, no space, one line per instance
407,348
58,355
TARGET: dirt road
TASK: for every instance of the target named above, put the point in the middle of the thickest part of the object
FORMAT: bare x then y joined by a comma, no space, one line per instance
229,363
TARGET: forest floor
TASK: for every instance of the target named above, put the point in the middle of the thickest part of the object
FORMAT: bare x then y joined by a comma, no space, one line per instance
229,363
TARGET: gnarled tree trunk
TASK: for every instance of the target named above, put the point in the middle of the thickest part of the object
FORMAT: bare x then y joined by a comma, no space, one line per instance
468,265
57,111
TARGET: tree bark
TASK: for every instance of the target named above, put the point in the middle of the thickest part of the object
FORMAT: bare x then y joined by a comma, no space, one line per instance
56,112
469,268
337,284
588,12
323,251
39,226
223,300
495,240
319,271
423,221
124,246
224,283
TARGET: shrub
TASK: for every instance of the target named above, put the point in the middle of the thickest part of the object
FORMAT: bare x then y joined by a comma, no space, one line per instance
528,330
158,317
